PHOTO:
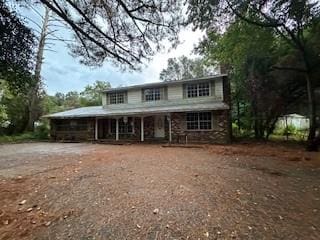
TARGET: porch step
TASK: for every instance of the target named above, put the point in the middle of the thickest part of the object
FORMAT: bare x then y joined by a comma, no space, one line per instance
129,142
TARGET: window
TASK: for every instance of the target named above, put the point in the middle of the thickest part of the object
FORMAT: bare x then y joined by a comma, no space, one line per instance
199,121
73,125
198,90
125,125
117,98
192,90
203,89
152,94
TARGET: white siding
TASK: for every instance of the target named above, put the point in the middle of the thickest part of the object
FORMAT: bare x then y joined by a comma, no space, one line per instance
134,96
218,88
175,92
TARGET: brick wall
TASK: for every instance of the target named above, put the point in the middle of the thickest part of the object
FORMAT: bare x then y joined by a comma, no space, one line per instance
220,132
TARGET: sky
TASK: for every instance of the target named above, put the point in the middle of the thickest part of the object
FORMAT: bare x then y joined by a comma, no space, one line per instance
61,72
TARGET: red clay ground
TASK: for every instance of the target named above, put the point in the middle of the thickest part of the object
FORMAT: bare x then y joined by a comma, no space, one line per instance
86,191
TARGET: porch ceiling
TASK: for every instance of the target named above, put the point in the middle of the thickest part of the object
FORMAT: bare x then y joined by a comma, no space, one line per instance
99,111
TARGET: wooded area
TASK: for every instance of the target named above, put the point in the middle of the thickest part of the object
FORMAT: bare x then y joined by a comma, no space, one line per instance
270,49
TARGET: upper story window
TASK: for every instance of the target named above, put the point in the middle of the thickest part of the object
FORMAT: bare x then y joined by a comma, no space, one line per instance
117,98
197,89
153,94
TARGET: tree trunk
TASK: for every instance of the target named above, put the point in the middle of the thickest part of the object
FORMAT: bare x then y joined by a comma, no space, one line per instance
286,128
312,143
34,91
256,118
238,116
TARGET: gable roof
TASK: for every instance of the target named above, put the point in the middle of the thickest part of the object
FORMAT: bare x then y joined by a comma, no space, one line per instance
159,84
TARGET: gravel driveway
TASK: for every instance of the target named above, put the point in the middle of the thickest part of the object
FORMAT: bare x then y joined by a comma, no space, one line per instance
91,191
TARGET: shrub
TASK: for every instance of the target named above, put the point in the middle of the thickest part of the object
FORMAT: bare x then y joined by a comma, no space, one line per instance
42,131
287,131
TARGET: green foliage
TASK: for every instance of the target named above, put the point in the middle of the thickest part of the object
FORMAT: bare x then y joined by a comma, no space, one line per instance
15,105
183,67
251,57
72,100
274,70
3,115
24,137
91,96
16,54
42,130
14,108
260,93
288,130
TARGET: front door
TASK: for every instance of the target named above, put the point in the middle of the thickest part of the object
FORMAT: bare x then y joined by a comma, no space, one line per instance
159,126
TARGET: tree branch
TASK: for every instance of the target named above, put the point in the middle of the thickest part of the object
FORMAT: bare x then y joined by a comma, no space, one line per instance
248,20
80,31
290,69
99,30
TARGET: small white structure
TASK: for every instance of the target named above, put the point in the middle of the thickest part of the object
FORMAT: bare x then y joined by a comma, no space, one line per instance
300,122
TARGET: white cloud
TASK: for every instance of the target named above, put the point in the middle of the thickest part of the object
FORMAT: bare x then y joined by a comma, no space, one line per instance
188,38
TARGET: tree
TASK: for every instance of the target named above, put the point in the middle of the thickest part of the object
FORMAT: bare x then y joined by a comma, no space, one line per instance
16,54
72,100
291,20
59,98
91,96
123,31
260,93
16,112
35,90
183,67
52,104
3,108
16,49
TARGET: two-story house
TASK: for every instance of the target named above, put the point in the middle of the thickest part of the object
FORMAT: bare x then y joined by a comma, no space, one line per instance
189,110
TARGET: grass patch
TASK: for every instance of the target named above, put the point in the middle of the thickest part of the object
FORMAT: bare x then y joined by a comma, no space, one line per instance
24,137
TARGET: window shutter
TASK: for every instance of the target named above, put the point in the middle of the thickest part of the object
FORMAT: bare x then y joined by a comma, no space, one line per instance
165,93
212,85
126,97
142,95
184,90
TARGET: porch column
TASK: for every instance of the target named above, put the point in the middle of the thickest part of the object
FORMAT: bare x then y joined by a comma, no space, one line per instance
117,129
142,129
170,135
96,130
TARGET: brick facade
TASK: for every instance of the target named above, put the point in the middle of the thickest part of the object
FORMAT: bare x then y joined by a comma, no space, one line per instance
220,132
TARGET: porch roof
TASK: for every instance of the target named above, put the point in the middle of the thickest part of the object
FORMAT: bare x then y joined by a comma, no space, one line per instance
99,111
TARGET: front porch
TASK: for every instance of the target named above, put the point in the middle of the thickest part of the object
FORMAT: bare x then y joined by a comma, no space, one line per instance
179,127
155,128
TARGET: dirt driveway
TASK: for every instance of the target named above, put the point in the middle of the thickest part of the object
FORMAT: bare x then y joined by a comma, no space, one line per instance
90,191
